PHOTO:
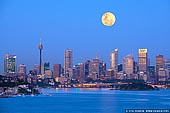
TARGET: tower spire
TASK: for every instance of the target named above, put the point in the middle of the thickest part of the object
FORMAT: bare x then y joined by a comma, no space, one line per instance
40,47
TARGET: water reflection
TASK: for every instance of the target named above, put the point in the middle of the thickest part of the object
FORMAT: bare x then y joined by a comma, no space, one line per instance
81,90
88,100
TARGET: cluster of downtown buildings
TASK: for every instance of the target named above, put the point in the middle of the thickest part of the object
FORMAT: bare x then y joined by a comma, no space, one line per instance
94,69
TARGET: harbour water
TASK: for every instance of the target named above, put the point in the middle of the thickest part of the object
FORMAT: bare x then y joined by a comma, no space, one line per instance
86,100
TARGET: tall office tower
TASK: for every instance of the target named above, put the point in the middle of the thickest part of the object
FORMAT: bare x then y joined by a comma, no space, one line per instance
159,63
36,69
10,65
40,47
102,69
22,71
151,74
148,62
162,75
114,60
128,64
94,68
160,67
135,67
81,72
78,72
68,63
167,67
57,70
46,66
109,74
142,60
120,67
47,71
87,63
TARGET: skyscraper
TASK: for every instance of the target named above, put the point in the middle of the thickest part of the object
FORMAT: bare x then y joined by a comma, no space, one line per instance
40,47
78,72
160,67
46,66
94,68
151,74
81,72
128,64
159,63
87,63
10,65
57,70
114,60
47,71
36,69
167,67
142,60
102,69
68,63
22,71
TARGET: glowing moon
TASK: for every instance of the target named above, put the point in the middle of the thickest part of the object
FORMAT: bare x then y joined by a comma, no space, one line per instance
108,19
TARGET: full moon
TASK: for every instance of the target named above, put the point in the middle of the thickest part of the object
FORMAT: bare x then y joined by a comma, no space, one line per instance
108,19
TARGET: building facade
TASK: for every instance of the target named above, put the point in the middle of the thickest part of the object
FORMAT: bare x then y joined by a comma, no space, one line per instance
57,70
128,64
114,60
167,68
86,68
142,60
160,67
22,71
68,63
10,65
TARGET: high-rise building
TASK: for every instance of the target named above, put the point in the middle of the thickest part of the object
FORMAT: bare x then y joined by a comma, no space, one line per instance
114,60
81,72
40,47
102,69
10,65
47,70
135,67
128,64
78,72
142,60
97,69
162,74
48,73
34,71
46,66
22,71
68,63
151,74
120,67
57,70
109,74
160,67
94,68
159,63
87,64
148,62
167,67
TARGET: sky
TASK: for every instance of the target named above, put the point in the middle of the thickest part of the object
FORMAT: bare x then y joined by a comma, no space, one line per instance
76,25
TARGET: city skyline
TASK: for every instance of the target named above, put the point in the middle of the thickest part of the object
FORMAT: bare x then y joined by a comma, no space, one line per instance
70,24
68,58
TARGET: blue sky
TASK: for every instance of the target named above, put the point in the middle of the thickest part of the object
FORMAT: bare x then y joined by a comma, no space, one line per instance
76,24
